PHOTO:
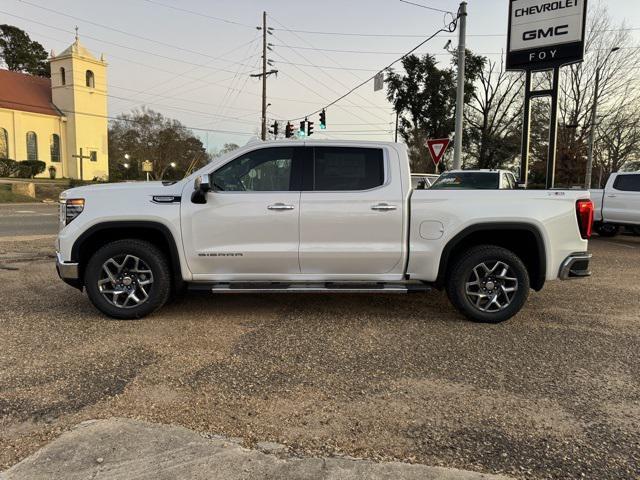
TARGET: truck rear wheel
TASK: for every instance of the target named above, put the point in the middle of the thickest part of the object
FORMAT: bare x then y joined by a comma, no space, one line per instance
128,279
488,284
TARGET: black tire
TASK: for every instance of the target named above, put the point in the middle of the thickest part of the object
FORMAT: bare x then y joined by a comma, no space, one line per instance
462,273
151,258
635,230
607,230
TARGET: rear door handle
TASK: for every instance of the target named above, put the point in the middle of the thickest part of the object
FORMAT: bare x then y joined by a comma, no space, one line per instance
383,207
280,206
611,195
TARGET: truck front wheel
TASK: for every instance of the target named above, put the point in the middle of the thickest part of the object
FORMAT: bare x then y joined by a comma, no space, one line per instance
128,279
488,284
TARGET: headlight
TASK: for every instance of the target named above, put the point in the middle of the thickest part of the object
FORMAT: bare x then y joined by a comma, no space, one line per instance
70,209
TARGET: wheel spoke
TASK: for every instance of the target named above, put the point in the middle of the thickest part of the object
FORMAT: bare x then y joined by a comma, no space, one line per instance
125,281
491,286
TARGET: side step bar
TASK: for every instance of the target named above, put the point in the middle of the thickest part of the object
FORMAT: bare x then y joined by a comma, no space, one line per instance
310,287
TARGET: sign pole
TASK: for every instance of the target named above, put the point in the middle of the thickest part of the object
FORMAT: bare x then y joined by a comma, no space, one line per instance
553,131
526,125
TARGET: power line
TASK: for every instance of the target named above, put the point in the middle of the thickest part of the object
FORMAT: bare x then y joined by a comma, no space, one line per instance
449,28
425,6
123,119
199,14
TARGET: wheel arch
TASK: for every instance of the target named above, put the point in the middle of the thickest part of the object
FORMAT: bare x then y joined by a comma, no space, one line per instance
154,232
524,239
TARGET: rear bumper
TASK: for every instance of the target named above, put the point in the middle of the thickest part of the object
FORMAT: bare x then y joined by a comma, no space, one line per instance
575,266
69,272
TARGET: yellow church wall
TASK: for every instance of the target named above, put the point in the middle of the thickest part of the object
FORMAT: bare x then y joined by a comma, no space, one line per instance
18,123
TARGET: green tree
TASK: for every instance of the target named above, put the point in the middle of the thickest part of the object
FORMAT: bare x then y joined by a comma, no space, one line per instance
147,135
424,98
21,54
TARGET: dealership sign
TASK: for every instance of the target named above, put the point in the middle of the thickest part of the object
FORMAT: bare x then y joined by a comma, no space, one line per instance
545,33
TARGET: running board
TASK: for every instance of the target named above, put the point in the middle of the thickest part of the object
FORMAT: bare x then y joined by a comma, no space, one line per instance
310,287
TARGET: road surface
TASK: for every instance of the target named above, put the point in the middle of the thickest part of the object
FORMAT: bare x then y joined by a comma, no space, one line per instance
17,220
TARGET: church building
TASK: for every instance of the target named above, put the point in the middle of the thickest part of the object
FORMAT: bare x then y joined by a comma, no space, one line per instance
55,119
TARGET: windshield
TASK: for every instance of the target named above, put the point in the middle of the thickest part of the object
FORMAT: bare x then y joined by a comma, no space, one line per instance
467,180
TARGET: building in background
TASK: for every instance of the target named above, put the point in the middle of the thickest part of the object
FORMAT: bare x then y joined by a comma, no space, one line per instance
52,119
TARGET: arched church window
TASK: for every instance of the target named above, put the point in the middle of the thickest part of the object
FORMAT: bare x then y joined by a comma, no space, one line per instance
32,146
63,76
55,148
4,143
91,81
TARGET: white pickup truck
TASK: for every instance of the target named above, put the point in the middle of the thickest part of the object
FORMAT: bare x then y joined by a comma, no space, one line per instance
618,204
318,216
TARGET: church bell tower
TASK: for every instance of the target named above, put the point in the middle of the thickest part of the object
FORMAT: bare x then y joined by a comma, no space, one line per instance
79,91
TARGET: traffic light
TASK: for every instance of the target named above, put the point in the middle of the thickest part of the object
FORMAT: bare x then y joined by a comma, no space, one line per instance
288,131
309,128
323,120
302,132
274,128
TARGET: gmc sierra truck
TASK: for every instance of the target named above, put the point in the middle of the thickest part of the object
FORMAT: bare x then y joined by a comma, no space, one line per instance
317,216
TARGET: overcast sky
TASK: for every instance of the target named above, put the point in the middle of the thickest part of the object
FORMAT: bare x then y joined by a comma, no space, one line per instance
195,68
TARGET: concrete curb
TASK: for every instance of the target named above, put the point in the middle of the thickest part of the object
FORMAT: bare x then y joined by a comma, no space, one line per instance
119,449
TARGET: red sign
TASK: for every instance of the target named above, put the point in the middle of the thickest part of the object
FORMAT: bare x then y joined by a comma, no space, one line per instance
437,148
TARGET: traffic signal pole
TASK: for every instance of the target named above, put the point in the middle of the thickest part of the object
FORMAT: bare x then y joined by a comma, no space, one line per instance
457,145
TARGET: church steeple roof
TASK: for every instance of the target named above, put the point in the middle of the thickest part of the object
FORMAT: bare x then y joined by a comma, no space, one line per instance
77,49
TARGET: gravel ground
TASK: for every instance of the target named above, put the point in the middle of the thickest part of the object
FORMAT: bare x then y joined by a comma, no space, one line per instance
552,393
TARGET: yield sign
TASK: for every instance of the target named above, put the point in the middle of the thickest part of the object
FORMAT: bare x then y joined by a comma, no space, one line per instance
437,148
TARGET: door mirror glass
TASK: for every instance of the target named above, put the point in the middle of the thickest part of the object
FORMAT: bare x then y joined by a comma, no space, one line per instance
201,186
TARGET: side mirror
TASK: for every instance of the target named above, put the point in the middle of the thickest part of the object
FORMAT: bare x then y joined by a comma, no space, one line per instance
201,187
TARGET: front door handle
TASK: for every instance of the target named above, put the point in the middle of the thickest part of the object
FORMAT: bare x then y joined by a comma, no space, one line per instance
611,195
280,206
383,207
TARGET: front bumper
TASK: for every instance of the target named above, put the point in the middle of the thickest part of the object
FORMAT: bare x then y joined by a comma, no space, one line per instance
575,266
68,271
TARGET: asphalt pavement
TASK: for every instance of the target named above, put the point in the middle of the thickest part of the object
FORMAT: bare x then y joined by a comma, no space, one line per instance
27,219
553,393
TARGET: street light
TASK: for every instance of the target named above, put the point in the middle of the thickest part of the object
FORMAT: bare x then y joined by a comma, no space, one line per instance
592,132
172,164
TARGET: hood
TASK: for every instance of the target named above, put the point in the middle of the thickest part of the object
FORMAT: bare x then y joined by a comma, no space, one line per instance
143,188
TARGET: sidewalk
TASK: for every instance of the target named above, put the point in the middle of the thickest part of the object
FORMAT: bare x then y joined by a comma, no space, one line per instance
119,449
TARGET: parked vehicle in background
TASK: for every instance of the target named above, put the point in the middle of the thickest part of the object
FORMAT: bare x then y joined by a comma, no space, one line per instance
476,180
618,204
318,216
420,181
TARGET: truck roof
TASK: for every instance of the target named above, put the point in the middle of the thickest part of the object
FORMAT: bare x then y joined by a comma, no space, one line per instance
320,141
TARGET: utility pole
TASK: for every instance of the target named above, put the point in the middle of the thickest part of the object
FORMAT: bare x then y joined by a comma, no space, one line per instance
264,75
457,146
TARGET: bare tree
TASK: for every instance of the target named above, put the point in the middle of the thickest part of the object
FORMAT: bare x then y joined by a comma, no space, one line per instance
618,88
494,117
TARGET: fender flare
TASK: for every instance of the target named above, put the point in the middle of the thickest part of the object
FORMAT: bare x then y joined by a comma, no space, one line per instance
541,264
125,225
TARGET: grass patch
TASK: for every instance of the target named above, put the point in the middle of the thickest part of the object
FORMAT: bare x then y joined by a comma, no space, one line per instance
7,196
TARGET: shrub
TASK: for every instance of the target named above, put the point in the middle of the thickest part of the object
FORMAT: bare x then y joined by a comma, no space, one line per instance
31,168
8,167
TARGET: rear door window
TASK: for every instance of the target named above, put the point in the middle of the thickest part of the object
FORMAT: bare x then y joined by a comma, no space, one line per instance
346,168
627,183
